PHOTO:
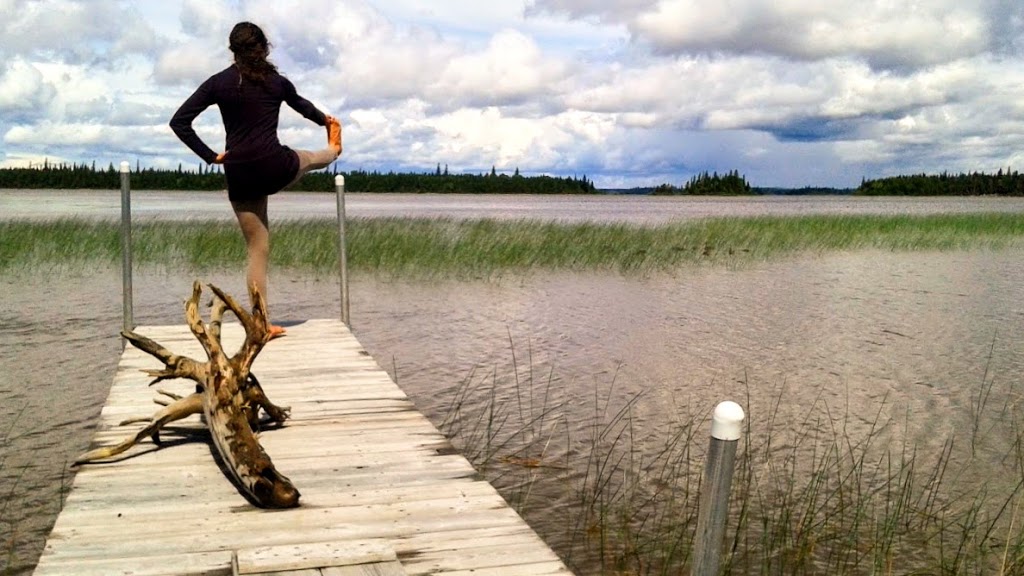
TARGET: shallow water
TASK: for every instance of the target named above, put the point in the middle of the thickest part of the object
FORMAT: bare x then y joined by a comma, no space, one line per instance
910,335
180,205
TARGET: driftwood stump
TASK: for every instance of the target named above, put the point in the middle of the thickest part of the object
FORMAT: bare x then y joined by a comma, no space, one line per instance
227,394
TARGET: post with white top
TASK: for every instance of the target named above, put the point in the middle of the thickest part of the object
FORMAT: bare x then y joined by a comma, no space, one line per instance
726,429
339,186
126,246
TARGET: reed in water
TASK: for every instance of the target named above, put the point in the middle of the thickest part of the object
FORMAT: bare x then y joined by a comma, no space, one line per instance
832,492
474,248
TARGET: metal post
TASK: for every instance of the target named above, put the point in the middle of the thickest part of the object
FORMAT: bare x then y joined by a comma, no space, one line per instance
726,429
126,245
339,186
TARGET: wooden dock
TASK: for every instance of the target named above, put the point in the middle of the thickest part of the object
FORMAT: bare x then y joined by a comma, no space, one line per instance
383,493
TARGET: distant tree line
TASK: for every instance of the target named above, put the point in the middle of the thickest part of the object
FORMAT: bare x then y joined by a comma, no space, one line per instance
443,182
88,176
1009,183
704,184
85,176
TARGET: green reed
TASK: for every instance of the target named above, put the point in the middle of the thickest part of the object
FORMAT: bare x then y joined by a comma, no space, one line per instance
810,496
473,248
8,530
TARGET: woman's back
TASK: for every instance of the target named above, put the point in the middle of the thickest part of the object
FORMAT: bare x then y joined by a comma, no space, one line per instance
250,112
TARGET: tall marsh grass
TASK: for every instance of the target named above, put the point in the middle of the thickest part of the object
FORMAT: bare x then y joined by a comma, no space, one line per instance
9,536
472,248
830,493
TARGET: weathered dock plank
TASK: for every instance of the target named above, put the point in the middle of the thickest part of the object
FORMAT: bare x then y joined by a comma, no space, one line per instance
379,483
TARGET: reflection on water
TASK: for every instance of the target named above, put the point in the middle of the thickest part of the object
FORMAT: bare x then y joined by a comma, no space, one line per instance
913,335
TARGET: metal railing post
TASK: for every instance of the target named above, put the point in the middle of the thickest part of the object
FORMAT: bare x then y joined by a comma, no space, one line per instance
339,186
126,246
726,429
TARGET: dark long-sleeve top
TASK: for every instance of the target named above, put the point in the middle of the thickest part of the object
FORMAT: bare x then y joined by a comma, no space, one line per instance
255,163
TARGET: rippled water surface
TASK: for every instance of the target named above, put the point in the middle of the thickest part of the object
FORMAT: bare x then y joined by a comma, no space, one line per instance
908,334
912,337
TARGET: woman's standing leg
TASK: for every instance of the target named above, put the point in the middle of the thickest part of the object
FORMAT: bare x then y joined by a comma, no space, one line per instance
252,218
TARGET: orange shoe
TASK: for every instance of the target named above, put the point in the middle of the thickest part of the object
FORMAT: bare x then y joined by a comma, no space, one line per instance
277,332
334,133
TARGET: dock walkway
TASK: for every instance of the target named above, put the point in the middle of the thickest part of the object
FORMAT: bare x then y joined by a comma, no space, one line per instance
382,490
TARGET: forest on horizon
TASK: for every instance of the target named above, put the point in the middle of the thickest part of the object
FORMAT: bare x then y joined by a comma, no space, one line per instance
85,176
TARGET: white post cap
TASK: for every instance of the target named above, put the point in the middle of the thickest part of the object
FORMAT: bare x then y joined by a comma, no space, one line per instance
339,180
727,421
125,167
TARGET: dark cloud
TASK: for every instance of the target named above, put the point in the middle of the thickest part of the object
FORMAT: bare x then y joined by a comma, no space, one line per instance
812,129
94,110
603,10
900,35
1007,18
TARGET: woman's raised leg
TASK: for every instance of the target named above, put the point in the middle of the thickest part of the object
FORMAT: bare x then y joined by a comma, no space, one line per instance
310,160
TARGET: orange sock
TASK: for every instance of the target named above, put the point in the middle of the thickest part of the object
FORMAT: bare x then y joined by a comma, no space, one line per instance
334,133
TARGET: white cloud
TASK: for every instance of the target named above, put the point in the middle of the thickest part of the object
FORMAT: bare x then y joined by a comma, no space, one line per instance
208,19
97,32
626,91
23,90
479,138
510,70
189,64
100,141
65,134
382,66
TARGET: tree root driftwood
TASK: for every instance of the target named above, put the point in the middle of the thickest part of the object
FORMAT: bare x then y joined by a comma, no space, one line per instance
227,395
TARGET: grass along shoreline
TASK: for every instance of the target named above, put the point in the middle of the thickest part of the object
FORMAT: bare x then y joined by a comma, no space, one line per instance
445,247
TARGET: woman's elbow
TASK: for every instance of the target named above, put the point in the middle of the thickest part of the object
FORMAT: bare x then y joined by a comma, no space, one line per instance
179,125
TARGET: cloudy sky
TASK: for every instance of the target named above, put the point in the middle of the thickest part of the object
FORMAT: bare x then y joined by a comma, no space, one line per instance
628,92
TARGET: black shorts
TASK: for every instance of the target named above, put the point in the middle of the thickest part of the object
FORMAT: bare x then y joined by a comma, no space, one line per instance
254,179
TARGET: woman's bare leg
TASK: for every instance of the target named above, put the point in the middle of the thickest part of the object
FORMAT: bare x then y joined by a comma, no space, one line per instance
310,160
252,218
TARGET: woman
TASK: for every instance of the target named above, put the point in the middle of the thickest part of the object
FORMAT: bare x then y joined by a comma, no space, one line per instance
249,94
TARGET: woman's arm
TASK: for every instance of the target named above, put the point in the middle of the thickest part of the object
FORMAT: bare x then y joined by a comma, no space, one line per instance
301,105
181,123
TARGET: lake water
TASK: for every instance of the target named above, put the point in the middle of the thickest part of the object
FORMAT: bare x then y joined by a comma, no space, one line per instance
150,204
909,336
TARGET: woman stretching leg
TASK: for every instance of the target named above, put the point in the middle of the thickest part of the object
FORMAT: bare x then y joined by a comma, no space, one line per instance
252,218
249,94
